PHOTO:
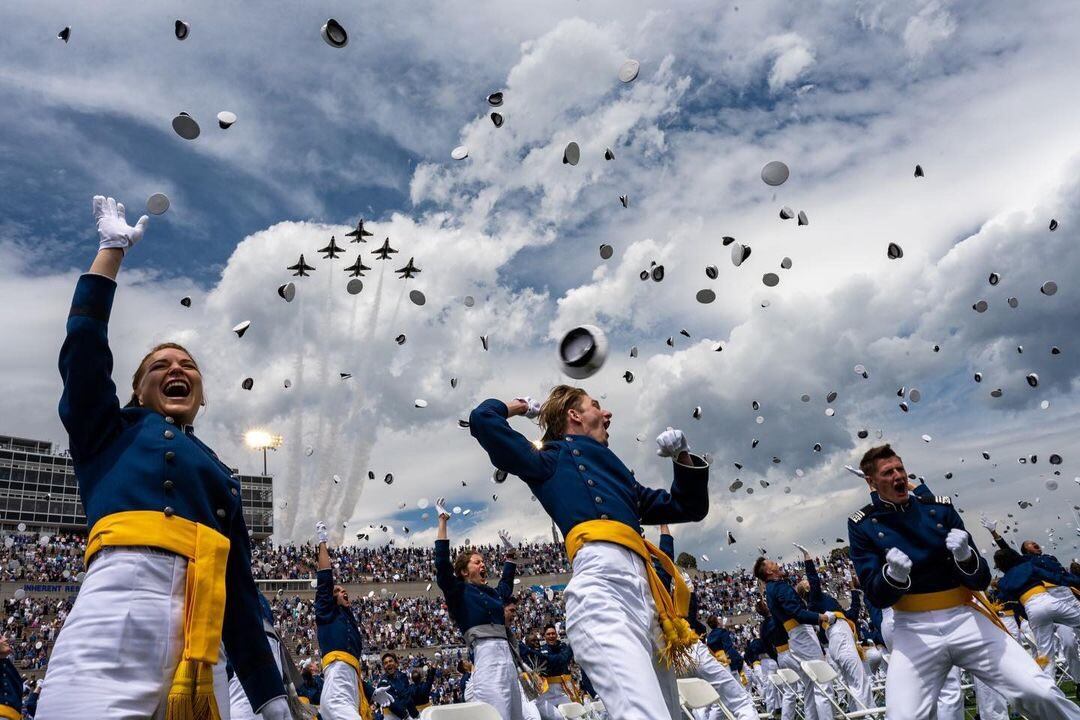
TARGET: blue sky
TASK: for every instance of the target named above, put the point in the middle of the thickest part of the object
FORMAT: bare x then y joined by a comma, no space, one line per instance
850,96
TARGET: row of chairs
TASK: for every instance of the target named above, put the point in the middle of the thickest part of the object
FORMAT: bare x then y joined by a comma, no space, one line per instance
483,711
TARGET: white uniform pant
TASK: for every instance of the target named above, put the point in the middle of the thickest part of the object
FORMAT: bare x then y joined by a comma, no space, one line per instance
770,693
732,694
495,679
1047,609
845,656
1069,643
341,692
803,645
950,699
612,625
990,703
239,705
548,703
925,646
119,648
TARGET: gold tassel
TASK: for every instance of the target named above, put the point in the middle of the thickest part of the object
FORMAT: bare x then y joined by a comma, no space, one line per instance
679,637
191,696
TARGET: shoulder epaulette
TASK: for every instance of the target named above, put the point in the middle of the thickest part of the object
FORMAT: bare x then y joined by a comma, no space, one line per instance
860,514
937,499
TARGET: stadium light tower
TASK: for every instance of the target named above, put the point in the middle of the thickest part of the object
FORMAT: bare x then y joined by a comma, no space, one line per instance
264,440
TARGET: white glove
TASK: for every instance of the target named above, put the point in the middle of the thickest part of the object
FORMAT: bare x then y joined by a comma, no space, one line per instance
957,542
990,525
276,709
534,406
440,507
381,696
897,565
801,548
505,537
112,227
831,616
321,535
671,443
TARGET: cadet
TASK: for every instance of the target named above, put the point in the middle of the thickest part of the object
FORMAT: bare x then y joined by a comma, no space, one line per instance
146,630
599,507
913,554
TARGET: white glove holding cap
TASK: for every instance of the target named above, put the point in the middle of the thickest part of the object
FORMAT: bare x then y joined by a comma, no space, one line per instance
381,696
113,229
321,534
276,709
897,565
671,443
957,542
990,525
533,407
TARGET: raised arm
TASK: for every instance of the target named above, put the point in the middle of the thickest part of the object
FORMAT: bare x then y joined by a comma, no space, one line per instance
325,606
816,594
688,500
793,605
667,546
508,449
444,570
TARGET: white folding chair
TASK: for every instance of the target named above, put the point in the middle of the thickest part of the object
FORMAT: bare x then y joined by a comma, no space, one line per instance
789,679
695,693
572,711
821,674
460,711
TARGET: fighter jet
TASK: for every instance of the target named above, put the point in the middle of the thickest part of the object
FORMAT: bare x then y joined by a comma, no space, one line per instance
409,271
301,268
357,268
359,233
385,251
331,251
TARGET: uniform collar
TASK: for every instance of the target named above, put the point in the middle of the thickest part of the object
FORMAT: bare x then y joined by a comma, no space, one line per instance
880,502
583,439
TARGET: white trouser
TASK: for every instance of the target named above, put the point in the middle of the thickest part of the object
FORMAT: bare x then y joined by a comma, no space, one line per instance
769,692
732,694
950,699
341,692
789,694
803,645
548,703
1069,643
989,702
1047,609
612,624
845,655
239,705
925,646
495,679
119,648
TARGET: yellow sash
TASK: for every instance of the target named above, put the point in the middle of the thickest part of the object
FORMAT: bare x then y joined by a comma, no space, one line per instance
367,712
9,713
790,624
207,552
922,602
722,657
568,685
782,648
679,637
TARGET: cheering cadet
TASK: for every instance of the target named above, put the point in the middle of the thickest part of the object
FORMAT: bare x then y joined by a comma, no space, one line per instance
913,554
790,612
844,649
477,610
168,576
599,507
553,657
344,694
400,687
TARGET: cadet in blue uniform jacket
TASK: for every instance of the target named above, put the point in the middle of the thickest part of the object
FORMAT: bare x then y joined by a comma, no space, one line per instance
400,687
11,684
599,506
720,638
477,610
913,554
344,691
146,481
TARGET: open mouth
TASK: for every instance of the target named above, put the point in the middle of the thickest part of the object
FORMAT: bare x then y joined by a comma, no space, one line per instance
176,388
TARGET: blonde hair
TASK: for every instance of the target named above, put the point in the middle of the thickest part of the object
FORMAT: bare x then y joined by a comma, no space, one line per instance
553,411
